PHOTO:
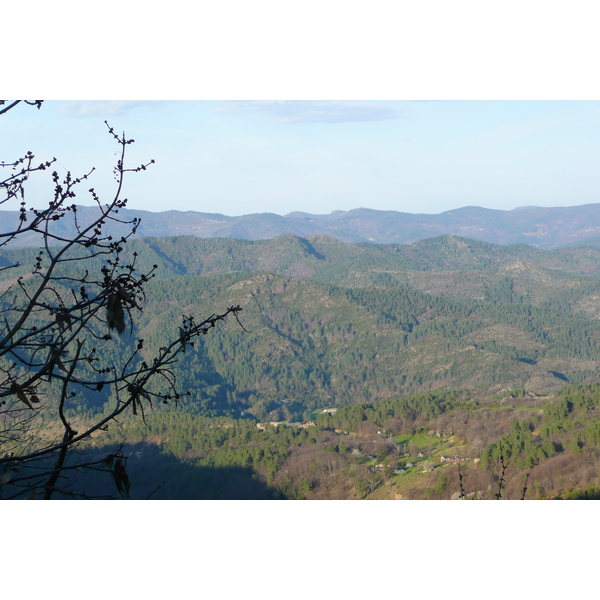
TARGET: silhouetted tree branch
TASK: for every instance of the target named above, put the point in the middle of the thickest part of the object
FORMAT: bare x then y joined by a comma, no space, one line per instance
58,319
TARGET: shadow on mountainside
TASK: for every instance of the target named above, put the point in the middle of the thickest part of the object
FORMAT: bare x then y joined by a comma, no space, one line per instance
157,476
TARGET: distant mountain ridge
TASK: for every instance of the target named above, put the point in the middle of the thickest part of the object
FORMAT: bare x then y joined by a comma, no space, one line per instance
545,228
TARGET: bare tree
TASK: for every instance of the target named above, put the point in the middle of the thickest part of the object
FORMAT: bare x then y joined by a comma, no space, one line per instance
59,320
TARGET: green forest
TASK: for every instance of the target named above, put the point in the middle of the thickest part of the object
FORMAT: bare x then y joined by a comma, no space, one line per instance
443,369
448,444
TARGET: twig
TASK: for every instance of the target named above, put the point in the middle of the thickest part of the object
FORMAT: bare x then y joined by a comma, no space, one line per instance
525,487
502,473
155,490
460,482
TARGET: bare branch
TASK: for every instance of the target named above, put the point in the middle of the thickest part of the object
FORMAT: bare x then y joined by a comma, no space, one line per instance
78,299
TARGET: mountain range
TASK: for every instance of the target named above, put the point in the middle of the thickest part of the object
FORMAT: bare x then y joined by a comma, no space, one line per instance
545,228
330,323
380,365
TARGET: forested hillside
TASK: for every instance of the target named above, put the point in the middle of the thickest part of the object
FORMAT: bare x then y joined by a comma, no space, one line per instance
448,444
361,329
330,324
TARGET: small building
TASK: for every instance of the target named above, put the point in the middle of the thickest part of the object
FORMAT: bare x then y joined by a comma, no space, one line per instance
450,459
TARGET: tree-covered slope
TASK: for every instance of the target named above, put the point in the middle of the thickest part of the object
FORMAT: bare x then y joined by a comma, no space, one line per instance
313,345
330,324
436,445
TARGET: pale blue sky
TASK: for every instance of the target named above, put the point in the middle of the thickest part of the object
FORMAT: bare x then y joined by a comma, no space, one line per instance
245,157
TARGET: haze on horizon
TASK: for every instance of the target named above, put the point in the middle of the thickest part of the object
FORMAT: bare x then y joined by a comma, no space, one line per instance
243,157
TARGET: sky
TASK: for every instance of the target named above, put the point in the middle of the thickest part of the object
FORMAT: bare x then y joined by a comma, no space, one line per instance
247,156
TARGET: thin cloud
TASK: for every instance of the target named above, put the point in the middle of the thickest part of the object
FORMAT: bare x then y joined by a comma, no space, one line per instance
97,108
302,111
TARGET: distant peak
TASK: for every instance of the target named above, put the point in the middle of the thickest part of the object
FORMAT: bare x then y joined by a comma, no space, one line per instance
524,208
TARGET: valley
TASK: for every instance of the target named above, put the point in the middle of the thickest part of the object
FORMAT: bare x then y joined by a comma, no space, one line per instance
363,370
